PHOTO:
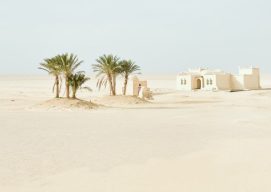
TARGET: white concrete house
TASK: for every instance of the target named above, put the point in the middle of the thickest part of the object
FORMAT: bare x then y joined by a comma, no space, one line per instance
204,79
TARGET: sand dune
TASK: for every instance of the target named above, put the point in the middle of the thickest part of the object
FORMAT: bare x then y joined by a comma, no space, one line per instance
121,101
180,141
66,104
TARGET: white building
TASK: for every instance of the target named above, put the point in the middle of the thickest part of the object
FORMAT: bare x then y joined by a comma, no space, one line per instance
248,79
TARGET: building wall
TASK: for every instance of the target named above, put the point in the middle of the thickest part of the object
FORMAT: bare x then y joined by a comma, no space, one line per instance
249,71
184,82
245,71
251,82
136,85
251,78
248,79
237,82
223,81
210,82
217,82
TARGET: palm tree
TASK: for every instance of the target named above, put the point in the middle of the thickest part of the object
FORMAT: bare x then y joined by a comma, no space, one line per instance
107,69
53,68
128,67
68,62
76,81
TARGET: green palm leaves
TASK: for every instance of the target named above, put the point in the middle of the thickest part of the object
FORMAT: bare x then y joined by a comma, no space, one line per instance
69,63
65,65
128,67
53,68
108,67
76,82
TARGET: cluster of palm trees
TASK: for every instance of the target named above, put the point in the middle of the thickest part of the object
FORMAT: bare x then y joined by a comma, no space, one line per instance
65,65
109,67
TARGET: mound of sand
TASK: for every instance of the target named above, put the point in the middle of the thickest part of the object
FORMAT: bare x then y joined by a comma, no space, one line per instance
265,93
120,100
63,103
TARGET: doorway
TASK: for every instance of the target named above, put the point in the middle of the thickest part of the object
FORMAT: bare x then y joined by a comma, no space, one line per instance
198,84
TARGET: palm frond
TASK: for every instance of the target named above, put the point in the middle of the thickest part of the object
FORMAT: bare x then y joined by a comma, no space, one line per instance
106,67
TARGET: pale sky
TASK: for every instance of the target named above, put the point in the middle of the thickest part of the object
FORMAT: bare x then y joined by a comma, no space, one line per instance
162,36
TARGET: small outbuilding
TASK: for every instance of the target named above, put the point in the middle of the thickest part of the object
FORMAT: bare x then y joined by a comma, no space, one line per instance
140,88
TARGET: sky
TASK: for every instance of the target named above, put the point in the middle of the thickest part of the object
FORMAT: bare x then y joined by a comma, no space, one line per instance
162,36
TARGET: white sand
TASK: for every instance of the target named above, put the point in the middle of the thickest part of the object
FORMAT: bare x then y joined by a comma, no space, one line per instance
183,141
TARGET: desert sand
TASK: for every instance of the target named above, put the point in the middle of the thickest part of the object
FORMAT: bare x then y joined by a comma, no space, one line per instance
180,141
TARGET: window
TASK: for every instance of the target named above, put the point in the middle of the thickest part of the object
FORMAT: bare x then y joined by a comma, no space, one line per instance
211,81
181,81
207,81
185,81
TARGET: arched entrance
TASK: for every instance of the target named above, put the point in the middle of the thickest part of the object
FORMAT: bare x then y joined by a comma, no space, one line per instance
198,84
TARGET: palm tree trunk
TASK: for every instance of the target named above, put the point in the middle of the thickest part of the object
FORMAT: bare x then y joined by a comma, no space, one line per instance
111,84
67,87
74,93
125,84
114,85
57,86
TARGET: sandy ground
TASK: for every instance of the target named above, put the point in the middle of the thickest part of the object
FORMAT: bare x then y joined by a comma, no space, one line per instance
180,141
